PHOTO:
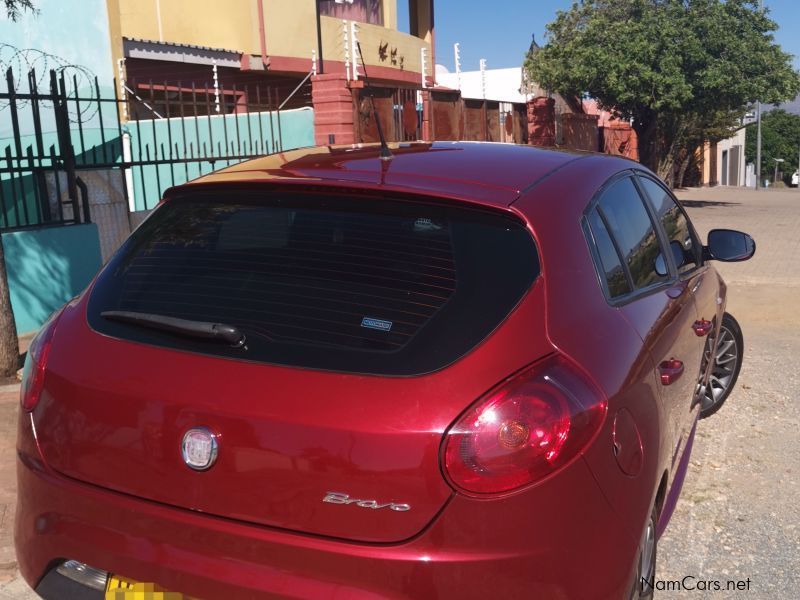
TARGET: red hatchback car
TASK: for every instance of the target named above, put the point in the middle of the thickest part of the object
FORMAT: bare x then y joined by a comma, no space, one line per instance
470,371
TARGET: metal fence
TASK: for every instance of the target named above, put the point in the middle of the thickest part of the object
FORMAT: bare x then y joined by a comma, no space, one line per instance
407,115
27,160
155,134
399,109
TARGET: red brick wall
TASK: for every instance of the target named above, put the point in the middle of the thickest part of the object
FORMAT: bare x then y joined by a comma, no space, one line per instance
333,109
542,122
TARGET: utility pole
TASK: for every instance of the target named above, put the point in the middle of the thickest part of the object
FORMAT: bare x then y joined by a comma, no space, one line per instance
758,127
758,146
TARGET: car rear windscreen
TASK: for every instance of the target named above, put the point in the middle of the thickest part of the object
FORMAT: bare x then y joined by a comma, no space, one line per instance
345,283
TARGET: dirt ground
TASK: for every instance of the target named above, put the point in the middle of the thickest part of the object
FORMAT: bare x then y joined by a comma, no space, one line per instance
738,518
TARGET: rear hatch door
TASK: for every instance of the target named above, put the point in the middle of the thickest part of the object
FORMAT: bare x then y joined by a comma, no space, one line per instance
370,326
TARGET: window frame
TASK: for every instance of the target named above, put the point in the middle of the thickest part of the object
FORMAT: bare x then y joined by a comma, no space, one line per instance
634,294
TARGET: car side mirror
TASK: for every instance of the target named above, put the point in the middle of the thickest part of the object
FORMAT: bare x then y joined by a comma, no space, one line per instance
677,254
728,245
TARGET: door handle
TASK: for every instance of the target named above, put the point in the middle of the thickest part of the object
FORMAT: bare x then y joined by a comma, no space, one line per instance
702,327
670,371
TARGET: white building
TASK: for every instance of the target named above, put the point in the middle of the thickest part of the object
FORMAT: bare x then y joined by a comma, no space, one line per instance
502,85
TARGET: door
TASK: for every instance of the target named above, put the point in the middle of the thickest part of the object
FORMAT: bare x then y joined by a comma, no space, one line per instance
733,166
724,167
687,255
659,306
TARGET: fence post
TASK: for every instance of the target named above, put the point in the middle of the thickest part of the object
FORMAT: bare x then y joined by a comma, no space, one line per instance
58,89
353,48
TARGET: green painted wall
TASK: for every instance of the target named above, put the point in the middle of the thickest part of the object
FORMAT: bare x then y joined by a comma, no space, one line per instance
218,135
48,266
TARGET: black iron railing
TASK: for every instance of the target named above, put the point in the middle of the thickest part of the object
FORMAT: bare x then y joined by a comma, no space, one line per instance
154,134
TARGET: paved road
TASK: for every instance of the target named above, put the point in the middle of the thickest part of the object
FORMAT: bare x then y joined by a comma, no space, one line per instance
739,515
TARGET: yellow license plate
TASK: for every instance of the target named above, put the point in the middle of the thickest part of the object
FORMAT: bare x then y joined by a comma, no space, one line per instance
122,588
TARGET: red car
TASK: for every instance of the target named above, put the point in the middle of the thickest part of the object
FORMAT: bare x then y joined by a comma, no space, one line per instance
470,371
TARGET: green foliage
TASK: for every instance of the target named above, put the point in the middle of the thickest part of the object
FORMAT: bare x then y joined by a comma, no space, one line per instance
617,52
680,69
15,8
780,138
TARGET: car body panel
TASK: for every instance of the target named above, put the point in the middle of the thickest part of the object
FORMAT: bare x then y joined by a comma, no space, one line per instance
474,549
582,324
456,170
664,321
288,436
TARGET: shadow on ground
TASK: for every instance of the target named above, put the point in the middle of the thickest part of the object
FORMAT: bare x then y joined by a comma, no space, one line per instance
706,203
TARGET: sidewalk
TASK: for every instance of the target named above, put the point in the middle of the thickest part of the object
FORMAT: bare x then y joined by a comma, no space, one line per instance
9,401
12,586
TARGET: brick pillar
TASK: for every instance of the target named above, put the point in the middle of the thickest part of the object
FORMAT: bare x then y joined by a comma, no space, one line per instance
542,121
333,109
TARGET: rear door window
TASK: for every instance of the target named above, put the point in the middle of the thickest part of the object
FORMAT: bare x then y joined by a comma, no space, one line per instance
366,285
629,223
614,275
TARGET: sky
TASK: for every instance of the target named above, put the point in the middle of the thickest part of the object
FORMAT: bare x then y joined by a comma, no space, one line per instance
500,30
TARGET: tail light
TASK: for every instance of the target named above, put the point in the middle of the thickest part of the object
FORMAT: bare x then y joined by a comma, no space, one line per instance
36,363
526,429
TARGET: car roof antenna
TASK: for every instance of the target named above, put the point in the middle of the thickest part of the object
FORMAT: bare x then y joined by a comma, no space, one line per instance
386,154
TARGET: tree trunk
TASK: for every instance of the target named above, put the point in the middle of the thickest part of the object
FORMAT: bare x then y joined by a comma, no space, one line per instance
9,344
671,144
647,140
666,169
668,156
683,167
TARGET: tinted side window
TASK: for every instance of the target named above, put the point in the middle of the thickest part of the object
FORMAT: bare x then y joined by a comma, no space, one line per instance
630,224
685,249
611,267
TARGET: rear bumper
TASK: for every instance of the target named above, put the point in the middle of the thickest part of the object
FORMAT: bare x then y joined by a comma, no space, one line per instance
560,540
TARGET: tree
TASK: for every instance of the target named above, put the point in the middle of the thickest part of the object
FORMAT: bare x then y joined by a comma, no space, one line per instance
9,343
694,130
15,8
667,65
780,138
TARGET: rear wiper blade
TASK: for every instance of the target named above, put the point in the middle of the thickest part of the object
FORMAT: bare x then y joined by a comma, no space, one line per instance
204,330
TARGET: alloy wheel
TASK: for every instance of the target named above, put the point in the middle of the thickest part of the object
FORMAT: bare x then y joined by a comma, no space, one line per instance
725,355
644,585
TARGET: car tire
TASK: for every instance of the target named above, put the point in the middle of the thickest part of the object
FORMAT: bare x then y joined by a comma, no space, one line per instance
728,351
644,585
